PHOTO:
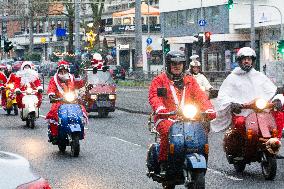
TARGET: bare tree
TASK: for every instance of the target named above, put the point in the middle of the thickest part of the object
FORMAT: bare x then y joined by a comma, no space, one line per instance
97,9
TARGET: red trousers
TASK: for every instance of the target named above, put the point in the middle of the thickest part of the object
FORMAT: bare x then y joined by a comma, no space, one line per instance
163,129
3,99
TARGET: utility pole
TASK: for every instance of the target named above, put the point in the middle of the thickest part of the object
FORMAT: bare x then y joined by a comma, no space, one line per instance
148,58
77,27
252,33
138,34
31,28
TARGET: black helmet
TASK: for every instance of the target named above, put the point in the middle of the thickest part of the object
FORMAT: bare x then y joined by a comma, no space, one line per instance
174,56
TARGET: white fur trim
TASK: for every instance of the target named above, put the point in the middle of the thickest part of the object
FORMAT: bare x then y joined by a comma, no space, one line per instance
160,108
52,121
51,94
17,89
78,79
39,87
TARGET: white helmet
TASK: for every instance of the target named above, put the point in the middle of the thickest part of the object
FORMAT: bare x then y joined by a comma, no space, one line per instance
195,63
194,57
97,57
246,52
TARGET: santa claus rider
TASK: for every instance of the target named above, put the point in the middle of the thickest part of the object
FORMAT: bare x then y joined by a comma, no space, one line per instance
3,80
60,83
27,77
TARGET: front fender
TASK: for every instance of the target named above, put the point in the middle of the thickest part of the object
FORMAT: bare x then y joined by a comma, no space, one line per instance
195,161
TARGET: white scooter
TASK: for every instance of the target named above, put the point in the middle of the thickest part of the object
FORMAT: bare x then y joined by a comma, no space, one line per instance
30,112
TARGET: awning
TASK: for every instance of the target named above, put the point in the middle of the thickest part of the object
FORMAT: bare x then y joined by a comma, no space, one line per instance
214,38
144,11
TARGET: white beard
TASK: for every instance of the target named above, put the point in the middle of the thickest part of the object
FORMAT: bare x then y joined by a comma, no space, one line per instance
27,76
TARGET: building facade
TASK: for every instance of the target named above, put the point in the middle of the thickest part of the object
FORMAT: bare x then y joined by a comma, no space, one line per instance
230,29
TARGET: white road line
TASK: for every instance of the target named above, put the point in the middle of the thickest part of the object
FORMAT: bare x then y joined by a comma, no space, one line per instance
225,175
126,141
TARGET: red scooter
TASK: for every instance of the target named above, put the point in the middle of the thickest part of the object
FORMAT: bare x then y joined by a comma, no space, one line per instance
255,142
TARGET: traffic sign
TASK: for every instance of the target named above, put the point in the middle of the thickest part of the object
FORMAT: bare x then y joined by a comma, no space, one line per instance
149,40
202,22
149,49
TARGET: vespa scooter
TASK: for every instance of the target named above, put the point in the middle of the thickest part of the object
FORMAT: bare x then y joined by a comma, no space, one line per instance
187,153
256,142
70,124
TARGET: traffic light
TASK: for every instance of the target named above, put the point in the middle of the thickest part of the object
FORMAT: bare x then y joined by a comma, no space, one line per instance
230,4
199,41
7,46
166,46
280,46
207,36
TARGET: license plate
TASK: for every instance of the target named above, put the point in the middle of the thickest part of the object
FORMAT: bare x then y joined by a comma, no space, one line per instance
75,127
103,104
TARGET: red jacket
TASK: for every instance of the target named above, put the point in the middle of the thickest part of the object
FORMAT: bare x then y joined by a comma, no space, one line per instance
3,79
193,94
58,88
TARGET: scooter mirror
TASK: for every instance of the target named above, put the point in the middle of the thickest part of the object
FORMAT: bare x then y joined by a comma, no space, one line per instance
95,70
162,92
105,68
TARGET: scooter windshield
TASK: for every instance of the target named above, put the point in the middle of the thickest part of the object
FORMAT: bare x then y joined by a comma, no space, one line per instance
100,78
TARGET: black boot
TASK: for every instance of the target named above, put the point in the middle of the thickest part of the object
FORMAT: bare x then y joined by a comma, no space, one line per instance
163,168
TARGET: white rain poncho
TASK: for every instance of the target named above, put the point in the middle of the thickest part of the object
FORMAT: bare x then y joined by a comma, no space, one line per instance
202,82
240,87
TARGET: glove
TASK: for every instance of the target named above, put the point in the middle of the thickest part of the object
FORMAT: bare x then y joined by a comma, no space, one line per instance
18,92
52,98
236,108
2,88
277,104
40,90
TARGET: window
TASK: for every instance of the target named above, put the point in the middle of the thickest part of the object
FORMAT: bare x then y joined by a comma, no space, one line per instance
191,16
181,18
215,12
127,21
213,62
153,20
171,19
117,21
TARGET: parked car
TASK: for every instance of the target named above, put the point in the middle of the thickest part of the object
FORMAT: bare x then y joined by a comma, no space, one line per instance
117,72
16,173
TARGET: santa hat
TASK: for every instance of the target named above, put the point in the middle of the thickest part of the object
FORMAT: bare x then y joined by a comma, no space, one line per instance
97,61
63,64
27,63
3,66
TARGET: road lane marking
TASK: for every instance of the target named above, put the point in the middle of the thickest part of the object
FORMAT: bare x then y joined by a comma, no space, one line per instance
225,175
126,141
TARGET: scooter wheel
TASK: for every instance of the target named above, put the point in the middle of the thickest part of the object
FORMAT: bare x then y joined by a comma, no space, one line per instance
269,166
75,146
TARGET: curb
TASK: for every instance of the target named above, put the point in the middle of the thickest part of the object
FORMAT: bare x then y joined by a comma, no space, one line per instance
133,111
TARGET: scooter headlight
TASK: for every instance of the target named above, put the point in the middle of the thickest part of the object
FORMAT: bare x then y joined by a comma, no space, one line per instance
261,103
94,97
189,111
29,90
111,97
69,96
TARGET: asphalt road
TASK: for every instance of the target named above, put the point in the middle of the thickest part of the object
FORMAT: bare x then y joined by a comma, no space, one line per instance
114,151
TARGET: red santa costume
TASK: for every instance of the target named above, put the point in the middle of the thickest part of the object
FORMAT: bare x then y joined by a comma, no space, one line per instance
57,87
27,78
97,61
3,80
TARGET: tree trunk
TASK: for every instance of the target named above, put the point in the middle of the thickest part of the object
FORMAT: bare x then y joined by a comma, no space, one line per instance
70,47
